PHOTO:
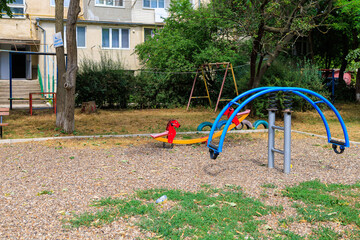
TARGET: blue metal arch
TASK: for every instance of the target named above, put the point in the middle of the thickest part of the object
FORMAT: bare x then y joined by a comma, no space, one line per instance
257,92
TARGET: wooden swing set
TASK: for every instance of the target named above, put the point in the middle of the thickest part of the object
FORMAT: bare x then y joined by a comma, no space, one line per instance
209,67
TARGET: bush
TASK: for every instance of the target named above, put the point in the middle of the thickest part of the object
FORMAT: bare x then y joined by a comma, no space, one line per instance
105,82
172,89
285,73
342,92
155,90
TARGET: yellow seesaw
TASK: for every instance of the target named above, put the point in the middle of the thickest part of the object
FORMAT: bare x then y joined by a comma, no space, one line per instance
159,137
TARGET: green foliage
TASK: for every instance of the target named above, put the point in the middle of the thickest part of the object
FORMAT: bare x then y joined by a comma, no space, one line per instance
325,233
5,8
331,45
189,38
161,89
155,90
210,214
287,73
105,82
227,213
342,91
353,58
45,192
347,15
325,202
269,185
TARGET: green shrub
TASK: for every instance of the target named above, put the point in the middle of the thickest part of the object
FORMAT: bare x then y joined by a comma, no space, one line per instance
105,82
342,92
284,73
154,90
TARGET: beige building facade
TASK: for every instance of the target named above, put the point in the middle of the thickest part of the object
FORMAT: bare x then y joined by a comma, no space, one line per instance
111,27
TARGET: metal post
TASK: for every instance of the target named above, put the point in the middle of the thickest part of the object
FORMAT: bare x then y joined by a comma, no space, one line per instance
271,137
222,86
287,141
207,90
192,90
10,78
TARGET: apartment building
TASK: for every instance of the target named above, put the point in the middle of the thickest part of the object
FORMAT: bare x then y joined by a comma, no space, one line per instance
112,27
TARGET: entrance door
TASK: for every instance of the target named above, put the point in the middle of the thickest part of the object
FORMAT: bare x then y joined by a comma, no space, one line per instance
19,64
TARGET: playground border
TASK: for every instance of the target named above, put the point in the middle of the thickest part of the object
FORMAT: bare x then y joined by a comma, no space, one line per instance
9,141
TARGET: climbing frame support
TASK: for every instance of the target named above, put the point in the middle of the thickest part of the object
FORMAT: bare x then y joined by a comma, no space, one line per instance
287,139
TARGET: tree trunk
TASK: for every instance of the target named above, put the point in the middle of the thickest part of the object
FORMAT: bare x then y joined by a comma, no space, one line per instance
257,46
254,53
357,85
70,82
311,46
271,59
60,63
344,62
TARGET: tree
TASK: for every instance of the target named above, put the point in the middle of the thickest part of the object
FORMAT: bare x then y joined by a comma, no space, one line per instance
70,82
66,118
354,58
60,57
348,22
5,8
272,25
218,31
189,38
337,44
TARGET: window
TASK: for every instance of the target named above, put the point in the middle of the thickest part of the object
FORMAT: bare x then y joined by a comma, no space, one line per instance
154,3
148,32
17,7
115,38
66,3
109,3
80,36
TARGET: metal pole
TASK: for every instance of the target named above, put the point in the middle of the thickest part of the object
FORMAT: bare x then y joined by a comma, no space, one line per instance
222,86
271,137
207,90
287,141
10,78
192,90
233,75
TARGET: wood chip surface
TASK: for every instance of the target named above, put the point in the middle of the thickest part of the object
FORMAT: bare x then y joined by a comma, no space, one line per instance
76,176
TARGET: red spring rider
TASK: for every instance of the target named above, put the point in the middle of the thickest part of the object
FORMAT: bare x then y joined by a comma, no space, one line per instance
172,124
228,113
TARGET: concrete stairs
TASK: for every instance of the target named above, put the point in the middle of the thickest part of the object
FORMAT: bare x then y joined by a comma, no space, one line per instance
20,89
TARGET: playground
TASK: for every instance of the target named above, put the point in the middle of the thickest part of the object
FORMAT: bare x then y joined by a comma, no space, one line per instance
47,184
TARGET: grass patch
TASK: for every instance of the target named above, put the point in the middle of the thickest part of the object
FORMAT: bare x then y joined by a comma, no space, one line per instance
208,214
227,213
45,192
327,202
269,185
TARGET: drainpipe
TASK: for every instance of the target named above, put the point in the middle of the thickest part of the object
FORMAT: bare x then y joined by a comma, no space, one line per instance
38,25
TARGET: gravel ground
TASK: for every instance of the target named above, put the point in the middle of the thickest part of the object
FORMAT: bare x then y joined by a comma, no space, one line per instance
79,175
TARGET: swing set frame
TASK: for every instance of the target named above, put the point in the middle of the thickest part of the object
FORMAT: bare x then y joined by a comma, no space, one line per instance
202,69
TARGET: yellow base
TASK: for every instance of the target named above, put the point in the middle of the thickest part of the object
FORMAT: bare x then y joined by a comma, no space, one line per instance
200,140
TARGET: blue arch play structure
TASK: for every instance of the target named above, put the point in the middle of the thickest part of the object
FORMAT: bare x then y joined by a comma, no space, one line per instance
257,92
